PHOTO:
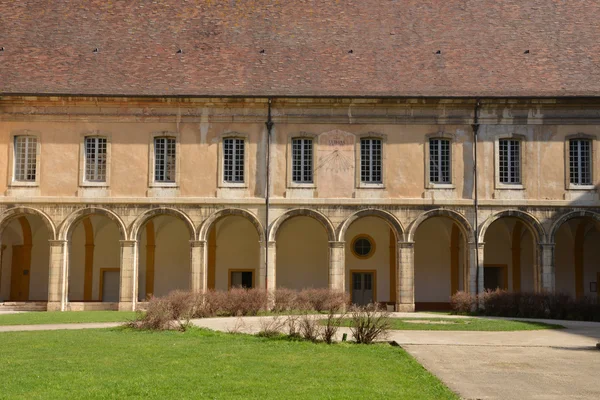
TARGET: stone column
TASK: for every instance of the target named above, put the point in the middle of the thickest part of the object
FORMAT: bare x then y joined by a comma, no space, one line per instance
548,271
57,278
337,266
198,264
266,270
405,277
476,280
129,265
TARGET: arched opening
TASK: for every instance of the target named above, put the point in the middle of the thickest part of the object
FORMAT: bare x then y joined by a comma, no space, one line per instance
440,263
233,254
94,262
302,254
510,256
577,257
370,254
163,256
24,259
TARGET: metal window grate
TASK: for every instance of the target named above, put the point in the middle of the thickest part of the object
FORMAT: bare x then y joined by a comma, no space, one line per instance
233,160
370,160
25,158
510,161
164,159
439,161
95,159
580,162
302,160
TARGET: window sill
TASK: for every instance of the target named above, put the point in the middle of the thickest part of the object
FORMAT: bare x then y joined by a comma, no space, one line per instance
371,186
164,185
581,187
231,185
18,184
503,186
293,185
447,186
97,185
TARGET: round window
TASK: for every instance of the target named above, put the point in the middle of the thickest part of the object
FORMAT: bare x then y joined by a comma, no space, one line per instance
363,246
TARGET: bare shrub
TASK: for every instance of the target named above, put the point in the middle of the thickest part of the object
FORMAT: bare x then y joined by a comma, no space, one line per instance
238,327
292,323
239,301
285,300
369,323
463,303
271,326
332,324
310,327
322,299
173,311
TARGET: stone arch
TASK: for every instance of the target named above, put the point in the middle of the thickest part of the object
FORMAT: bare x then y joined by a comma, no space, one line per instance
302,212
530,221
134,230
570,215
372,212
208,223
461,221
66,228
15,212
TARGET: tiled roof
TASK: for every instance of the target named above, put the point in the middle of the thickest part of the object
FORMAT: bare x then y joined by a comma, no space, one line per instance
301,47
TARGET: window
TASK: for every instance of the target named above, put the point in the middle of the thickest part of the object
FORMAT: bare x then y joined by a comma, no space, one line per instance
164,159
580,161
509,162
233,160
95,159
302,160
25,158
243,279
363,246
370,161
439,161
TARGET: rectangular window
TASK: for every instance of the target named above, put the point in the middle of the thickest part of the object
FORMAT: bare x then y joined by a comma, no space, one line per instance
370,160
241,279
25,158
439,161
580,161
95,159
164,159
509,162
302,160
233,160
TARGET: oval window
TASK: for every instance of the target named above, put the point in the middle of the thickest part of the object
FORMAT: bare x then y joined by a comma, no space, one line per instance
363,246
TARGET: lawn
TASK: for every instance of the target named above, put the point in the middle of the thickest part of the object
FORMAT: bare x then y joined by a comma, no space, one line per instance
464,324
67,317
119,363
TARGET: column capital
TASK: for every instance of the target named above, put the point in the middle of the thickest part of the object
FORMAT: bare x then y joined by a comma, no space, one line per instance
406,245
57,243
473,244
548,245
270,243
198,243
337,244
128,243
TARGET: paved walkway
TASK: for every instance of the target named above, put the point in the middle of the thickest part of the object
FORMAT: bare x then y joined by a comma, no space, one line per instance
542,364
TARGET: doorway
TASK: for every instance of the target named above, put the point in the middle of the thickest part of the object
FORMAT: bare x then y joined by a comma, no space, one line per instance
495,277
109,285
363,287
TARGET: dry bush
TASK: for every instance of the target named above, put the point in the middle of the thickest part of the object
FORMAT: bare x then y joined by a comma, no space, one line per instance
292,323
285,300
369,323
332,324
310,327
322,299
173,311
271,326
235,302
463,303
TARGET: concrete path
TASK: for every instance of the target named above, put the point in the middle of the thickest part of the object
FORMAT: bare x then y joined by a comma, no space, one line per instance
57,327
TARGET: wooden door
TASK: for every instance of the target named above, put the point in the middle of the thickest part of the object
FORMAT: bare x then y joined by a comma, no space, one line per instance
19,276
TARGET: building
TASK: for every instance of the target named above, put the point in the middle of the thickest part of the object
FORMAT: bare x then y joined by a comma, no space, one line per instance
400,151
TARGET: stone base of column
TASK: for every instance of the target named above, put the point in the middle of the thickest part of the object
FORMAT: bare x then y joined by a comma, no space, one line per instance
402,307
54,306
126,306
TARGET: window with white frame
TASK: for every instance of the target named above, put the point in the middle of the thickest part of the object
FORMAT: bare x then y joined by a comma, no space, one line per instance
580,161
439,161
233,160
95,159
302,160
165,159
509,162
25,158
370,161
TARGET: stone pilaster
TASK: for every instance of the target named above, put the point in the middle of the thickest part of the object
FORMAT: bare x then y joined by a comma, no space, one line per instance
406,277
57,278
199,262
266,274
475,277
337,266
547,265
129,265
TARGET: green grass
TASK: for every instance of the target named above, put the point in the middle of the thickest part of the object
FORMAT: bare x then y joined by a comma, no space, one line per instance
67,317
123,363
464,324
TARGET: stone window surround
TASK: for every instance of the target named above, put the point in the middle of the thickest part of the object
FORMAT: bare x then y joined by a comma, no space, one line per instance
297,185
522,162
592,139
12,183
446,136
367,237
82,181
151,162
221,161
357,160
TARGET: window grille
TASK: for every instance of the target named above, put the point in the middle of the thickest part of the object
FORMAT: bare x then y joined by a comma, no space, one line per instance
233,160
95,159
370,160
25,158
510,161
164,159
302,160
580,161
439,161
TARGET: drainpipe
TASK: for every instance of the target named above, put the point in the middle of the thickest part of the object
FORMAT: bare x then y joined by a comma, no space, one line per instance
475,127
269,125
